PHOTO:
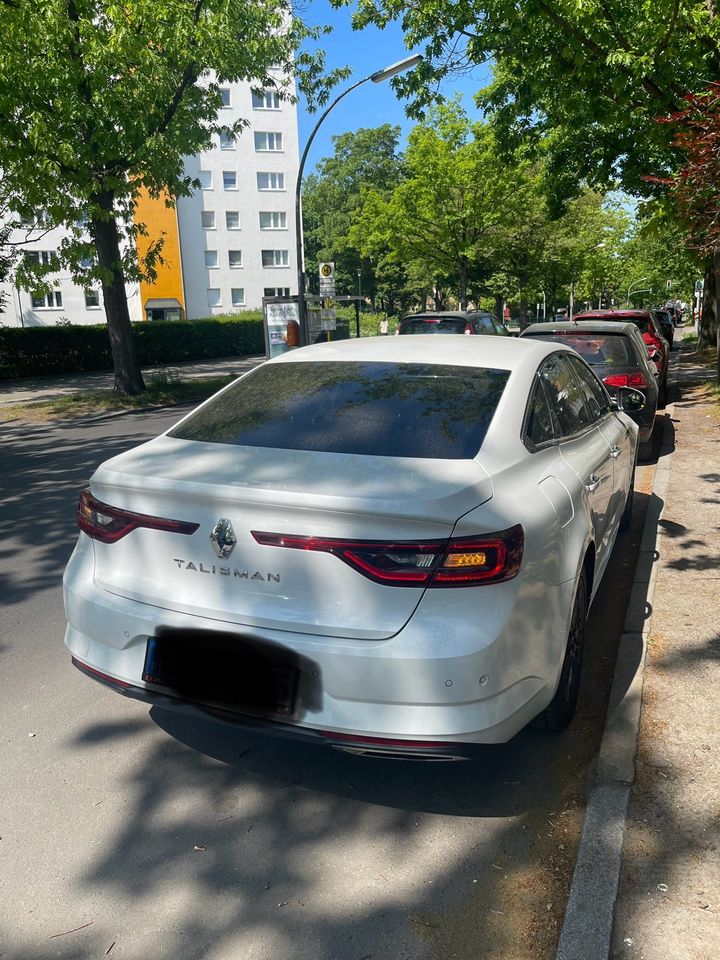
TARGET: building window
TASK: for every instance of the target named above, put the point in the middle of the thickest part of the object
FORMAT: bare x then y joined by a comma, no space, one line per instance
225,96
276,292
205,179
48,301
213,297
235,258
274,258
211,258
273,220
208,219
271,181
237,297
232,219
41,257
227,140
268,142
266,100
229,180
92,299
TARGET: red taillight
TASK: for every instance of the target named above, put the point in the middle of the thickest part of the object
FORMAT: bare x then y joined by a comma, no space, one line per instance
625,380
109,524
653,342
461,562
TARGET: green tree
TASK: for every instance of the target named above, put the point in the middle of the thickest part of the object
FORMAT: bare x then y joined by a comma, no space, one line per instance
100,98
441,218
587,78
363,160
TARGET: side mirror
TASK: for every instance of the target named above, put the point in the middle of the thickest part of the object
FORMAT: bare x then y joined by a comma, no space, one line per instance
629,400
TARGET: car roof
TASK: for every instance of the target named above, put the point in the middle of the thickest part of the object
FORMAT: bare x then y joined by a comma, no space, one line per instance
459,314
589,326
502,353
616,314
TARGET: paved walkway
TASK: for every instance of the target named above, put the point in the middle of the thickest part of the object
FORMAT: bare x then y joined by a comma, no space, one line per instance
669,899
47,388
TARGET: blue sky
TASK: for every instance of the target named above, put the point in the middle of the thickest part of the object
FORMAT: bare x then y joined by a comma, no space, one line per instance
372,104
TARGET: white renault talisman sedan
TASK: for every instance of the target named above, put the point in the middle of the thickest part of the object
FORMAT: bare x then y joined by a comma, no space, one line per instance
388,545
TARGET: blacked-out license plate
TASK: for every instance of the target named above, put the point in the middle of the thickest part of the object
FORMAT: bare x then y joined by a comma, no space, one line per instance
222,671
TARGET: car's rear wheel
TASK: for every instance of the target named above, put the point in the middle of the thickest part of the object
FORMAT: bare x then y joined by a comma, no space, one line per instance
559,712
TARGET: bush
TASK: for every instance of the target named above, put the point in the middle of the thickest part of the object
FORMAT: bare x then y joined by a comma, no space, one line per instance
34,351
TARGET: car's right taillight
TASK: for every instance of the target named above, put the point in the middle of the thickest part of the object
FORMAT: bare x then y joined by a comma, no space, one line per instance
460,562
625,380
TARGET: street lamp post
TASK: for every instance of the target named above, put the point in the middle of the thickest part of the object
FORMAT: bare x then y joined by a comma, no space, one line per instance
379,76
639,290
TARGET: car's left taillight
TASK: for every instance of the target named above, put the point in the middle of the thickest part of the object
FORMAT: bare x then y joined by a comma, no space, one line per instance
459,562
109,524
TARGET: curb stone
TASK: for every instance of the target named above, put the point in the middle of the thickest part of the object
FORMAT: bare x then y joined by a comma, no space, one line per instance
587,929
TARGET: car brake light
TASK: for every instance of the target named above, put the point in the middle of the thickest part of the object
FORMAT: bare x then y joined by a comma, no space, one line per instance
625,380
109,524
460,562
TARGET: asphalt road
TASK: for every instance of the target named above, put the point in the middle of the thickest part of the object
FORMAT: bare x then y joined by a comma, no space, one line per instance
143,834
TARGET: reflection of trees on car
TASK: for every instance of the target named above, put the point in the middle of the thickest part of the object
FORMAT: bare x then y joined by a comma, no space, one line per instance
409,409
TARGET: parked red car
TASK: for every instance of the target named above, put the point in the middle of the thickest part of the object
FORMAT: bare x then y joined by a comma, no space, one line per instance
657,346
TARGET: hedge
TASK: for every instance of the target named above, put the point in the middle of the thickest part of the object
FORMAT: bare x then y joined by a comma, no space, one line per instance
34,351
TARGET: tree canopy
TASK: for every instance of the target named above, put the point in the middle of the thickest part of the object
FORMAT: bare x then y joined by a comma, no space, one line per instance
99,99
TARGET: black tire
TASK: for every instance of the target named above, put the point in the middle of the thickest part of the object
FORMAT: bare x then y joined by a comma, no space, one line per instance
626,518
559,712
662,395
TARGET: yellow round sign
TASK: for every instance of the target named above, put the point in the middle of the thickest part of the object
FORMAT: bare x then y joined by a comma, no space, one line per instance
326,270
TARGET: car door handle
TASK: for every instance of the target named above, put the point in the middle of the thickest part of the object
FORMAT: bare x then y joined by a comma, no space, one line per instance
592,483
615,452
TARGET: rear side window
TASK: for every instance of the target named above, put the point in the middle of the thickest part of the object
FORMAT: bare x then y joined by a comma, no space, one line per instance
539,427
566,399
595,396
424,411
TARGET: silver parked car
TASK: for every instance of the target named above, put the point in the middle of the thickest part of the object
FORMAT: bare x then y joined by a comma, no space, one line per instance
386,545
618,356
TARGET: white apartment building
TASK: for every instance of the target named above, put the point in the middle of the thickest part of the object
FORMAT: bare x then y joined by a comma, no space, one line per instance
228,245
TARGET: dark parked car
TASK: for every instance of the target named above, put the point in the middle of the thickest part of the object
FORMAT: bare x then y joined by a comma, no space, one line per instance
665,319
618,356
657,346
452,321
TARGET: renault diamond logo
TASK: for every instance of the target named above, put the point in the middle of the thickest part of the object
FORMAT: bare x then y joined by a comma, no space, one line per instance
223,539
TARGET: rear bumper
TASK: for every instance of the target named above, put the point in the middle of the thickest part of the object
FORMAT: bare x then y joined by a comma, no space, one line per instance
359,744
446,679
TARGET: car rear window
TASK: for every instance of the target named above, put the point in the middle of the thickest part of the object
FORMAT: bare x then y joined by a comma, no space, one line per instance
644,324
434,325
425,411
597,349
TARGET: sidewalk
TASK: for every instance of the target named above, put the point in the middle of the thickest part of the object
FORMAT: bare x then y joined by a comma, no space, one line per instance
47,388
646,884
668,904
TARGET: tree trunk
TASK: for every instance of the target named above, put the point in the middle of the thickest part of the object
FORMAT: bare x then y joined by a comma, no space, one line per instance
709,322
499,305
463,282
522,283
128,376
